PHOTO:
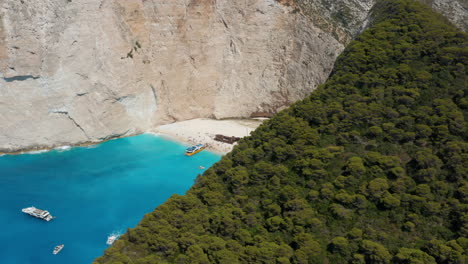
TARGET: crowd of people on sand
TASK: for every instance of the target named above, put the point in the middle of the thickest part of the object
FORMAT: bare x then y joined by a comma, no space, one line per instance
208,140
204,131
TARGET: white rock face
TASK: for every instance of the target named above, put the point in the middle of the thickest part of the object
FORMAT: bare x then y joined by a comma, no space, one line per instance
63,77
74,71
455,10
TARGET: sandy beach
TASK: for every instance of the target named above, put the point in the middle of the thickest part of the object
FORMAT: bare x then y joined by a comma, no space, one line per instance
203,130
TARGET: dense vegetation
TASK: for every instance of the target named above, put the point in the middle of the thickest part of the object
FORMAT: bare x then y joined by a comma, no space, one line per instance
371,168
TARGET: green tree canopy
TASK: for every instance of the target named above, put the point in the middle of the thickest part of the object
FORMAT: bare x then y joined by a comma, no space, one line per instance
370,168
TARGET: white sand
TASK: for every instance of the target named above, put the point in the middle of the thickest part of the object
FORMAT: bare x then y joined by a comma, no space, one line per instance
203,130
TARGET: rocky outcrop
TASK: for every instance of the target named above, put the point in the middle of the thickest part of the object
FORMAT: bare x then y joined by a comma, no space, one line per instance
347,18
76,71
455,10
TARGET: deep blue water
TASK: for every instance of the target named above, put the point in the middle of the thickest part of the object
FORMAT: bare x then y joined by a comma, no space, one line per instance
93,191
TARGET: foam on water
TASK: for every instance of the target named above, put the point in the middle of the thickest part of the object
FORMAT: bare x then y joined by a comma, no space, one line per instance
93,192
63,148
36,152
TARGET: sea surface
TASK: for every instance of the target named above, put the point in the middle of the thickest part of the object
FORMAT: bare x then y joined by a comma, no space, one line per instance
93,191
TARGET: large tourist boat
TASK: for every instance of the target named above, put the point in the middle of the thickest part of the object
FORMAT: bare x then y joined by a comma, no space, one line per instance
57,249
194,149
42,214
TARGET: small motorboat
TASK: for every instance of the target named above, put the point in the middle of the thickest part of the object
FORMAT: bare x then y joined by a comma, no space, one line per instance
111,239
57,249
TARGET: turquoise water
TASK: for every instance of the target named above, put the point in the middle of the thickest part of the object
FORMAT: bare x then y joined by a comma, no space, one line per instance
93,192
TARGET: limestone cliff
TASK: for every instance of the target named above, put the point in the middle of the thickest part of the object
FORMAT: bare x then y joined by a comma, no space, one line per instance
74,71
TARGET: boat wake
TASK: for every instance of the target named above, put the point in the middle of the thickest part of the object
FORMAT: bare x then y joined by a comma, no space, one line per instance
112,237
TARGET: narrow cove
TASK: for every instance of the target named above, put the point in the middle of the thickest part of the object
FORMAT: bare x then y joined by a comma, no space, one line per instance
93,191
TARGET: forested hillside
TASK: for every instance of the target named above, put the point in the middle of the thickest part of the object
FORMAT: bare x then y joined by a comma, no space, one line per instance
371,168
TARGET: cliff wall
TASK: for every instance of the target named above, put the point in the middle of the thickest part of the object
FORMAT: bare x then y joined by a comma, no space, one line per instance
75,71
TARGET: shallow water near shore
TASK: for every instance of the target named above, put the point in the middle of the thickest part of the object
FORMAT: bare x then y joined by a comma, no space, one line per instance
92,191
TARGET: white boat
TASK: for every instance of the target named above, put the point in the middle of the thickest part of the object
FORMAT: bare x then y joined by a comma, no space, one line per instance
41,214
57,249
111,239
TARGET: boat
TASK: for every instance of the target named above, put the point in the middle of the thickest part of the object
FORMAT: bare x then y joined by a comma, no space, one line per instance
111,239
57,249
194,149
201,168
41,214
